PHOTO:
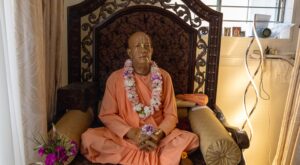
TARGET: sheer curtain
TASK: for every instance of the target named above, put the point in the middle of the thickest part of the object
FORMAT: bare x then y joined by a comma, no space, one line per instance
26,73
288,149
53,28
10,151
31,32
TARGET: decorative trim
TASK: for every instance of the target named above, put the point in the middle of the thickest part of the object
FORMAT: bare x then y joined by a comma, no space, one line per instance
74,36
214,42
105,34
110,8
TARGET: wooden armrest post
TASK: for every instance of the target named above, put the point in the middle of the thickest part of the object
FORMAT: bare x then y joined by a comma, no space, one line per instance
79,95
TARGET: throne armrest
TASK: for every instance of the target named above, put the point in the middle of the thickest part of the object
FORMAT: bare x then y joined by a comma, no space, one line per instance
216,145
78,95
239,136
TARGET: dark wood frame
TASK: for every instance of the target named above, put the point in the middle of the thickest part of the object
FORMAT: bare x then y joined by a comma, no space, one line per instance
138,9
74,38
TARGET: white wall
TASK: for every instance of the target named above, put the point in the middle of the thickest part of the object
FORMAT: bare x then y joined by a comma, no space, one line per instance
296,20
65,48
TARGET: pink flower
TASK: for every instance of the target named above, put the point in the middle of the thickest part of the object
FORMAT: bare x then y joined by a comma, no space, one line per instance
57,149
50,159
41,151
61,153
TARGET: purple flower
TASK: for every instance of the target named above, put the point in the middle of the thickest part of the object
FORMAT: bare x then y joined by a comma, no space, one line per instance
155,77
74,143
59,149
127,73
148,129
41,151
50,159
61,153
63,157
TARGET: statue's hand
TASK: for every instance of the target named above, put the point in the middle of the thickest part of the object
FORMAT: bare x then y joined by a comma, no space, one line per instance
157,136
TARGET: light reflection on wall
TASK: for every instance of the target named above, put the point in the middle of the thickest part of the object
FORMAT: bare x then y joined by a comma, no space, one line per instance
267,117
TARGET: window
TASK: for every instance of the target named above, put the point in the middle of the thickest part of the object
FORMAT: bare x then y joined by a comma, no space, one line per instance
244,10
240,13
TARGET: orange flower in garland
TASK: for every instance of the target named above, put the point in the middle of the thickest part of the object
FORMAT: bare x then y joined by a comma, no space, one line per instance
184,155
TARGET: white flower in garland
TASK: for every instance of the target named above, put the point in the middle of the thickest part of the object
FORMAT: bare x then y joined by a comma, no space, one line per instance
129,82
148,111
138,107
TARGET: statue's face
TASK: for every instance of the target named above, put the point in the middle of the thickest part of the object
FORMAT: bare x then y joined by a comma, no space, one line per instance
140,49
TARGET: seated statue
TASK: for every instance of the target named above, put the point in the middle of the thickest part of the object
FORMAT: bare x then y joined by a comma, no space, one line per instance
139,113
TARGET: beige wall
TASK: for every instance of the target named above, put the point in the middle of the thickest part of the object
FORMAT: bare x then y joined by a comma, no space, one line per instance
266,119
65,58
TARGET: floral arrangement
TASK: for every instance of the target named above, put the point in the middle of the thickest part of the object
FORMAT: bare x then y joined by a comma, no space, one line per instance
57,149
129,83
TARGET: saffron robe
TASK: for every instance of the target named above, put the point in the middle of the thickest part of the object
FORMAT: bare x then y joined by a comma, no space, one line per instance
110,145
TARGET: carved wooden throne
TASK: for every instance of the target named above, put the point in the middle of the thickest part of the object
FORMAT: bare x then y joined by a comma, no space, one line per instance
186,38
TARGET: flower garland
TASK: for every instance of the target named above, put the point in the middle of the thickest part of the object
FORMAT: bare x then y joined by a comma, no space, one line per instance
129,82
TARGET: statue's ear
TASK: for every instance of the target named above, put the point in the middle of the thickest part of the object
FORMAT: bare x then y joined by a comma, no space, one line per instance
129,52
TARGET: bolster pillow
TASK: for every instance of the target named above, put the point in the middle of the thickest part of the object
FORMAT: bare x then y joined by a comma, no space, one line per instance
216,145
74,123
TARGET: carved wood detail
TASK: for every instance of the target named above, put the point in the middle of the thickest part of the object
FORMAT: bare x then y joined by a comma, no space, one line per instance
191,12
172,40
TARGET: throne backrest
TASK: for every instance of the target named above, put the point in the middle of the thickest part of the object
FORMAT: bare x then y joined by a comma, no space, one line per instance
185,38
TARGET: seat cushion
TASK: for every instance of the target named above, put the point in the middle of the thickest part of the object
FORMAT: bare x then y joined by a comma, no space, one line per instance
216,145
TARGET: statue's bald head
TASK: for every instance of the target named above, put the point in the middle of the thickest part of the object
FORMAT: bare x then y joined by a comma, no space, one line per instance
138,36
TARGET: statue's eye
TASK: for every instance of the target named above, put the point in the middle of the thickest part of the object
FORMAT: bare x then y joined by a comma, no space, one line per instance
145,46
